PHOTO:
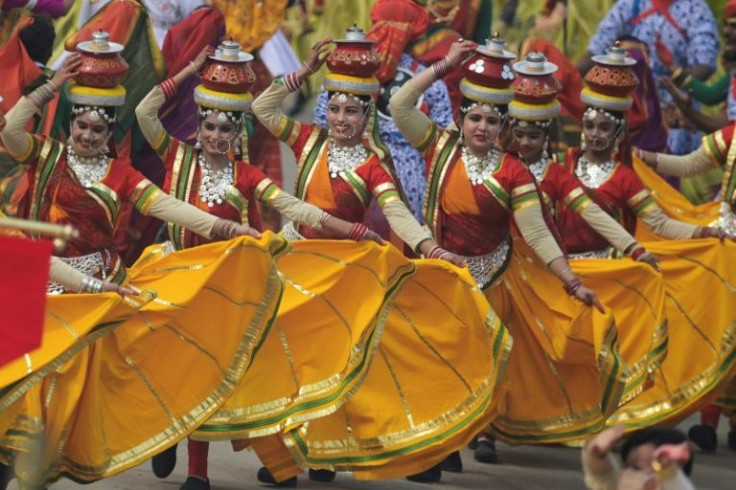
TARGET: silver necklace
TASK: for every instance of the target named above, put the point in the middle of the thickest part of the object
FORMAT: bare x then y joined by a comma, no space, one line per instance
592,175
538,168
480,168
215,183
342,158
88,170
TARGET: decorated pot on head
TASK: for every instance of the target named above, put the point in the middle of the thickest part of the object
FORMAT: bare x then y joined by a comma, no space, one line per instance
228,70
226,79
97,88
535,91
610,82
354,55
101,66
353,65
488,76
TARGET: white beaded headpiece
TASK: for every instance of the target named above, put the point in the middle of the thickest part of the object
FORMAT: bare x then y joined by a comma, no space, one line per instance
592,112
342,97
95,113
222,116
483,107
525,124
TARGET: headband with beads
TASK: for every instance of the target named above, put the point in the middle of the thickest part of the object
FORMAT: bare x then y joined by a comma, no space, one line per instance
222,116
592,112
95,113
522,123
342,97
484,106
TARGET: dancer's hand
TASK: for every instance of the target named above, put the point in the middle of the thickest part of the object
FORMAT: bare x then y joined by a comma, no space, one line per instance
198,62
244,230
373,236
460,51
601,444
649,258
319,54
648,157
588,297
454,259
713,232
683,99
111,287
67,71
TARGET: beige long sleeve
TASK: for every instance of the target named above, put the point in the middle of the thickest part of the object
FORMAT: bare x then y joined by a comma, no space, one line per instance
413,123
404,224
172,210
607,227
688,165
15,138
536,233
665,227
147,115
599,473
297,210
267,107
66,275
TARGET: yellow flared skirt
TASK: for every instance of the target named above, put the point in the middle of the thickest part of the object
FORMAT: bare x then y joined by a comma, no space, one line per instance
337,297
565,375
700,301
635,293
137,376
432,385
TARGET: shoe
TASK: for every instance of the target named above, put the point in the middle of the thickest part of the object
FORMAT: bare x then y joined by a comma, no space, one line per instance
432,475
453,463
265,476
731,440
704,436
473,444
195,483
6,474
164,462
321,475
486,452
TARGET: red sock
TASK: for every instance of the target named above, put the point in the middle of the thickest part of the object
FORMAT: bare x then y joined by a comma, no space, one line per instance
710,415
198,451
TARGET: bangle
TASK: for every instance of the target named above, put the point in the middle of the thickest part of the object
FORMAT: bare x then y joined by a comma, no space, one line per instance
572,286
677,75
292,81
226,229
323,218
191,63
168,87
437,252
638,252
357,232
441,68
41,95
309,67
91,284
54,87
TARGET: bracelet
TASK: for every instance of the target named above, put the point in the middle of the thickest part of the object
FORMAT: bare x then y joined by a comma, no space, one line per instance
91,284
292,81
41,95
441,68
676,76
168,87
191,63
54,87
323,218
437,252
638,252
226,229
572,286
357,232
309,67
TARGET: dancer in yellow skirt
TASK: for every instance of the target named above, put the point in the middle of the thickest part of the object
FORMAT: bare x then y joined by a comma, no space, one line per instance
112,400
436,315
565,374
701,338
633,291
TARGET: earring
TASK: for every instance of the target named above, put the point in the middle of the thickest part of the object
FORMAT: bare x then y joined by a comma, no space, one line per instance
582,141
197,143
236,146
461,139
365,134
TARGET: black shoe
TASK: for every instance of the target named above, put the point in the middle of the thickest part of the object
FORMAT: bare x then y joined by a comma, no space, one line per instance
704,436
453,463
6,474
731,439
432,475
473,444
321,475
195,483
164,462
265,476
486,452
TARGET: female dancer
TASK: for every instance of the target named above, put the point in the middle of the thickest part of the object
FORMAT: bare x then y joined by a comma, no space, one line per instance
475,193
107,403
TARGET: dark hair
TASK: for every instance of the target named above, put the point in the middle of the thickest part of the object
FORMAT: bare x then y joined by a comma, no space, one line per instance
465,104
657,437
110,111
38,39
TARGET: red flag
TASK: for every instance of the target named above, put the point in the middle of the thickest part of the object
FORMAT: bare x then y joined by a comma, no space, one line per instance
25,271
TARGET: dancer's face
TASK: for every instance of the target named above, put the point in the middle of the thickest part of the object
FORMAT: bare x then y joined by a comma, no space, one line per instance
530,141
599,133
216,134
480,129
346,118
90,133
